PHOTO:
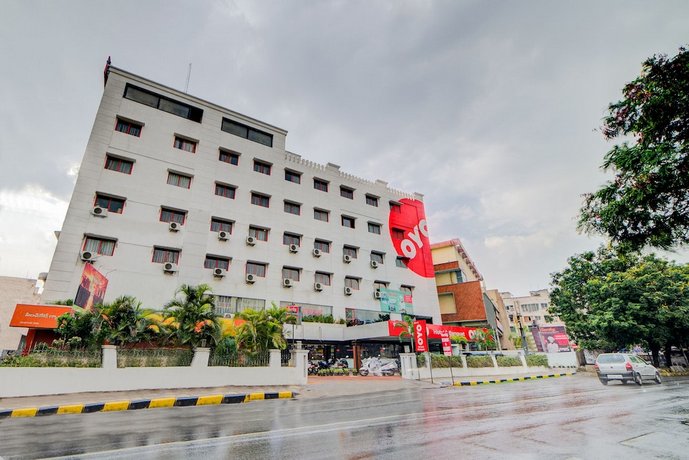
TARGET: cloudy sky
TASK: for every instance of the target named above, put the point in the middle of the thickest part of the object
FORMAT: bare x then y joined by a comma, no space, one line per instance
488,108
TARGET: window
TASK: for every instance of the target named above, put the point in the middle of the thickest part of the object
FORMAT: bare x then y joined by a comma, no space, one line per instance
292,176
128,127
221,225
347,192
260,200
118,164
321,214
256,268
323,278
225,190
180,180
172,215
110,203
259,233
216,262
372,200
395,207
163,103
351,282
185,144
164,255
290,273
228,157
102,246
246,132
350,251
322,245
348,221
377,257
291,238
406,290
262,167
397,234
374,228
378,285
320,184
401,262
292,208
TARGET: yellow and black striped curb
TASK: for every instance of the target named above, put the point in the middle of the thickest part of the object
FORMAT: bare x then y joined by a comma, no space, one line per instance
136,404
515,379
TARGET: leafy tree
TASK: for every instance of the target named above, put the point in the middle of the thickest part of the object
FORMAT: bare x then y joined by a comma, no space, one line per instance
122,321
78,324
193,309
407,325
261,330
647,203
610,300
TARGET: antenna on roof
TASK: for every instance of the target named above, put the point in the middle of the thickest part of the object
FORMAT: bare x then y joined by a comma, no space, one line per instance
186,87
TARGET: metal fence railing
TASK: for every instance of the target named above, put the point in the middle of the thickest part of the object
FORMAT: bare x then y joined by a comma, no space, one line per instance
154,357
240,360
53,357
285,357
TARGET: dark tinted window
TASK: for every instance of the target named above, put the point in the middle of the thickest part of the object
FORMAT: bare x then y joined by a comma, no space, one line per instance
611,358
247,132
151,99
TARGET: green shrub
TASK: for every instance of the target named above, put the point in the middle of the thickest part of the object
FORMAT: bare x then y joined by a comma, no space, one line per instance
508,361
420,360
479,361
442,361
536,360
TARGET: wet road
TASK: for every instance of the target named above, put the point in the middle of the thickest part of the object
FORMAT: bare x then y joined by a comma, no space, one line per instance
571,417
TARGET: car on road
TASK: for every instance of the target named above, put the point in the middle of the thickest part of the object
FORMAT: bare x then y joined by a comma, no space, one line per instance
625,368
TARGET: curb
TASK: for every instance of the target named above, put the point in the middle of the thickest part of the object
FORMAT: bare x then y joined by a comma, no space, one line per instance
516,379
136,404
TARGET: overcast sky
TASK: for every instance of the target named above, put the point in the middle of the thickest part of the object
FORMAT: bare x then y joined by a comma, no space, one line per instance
488,108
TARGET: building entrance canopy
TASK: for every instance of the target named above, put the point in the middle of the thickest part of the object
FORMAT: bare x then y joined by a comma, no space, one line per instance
435,331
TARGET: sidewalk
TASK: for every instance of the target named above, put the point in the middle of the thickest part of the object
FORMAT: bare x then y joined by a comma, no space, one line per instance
317,387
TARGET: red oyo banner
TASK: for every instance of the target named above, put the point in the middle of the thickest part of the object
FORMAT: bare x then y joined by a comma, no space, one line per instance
415,247
447,344
420,342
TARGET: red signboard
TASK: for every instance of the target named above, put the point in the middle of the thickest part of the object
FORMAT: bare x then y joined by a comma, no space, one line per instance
434,331
92,288
420,342
414,246
447,345
37,316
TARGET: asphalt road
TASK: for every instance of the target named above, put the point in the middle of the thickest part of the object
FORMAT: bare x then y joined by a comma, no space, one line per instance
569,417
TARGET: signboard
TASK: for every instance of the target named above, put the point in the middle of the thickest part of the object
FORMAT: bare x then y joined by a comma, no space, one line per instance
420,342
551,339
435,331
37,316
91,289
447,345
392,301
414,245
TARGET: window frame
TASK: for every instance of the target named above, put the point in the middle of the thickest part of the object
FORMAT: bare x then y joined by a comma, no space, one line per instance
179,176
324,244
220,221
255,231
377,256
294,174
110,199
230,154
115,159
317,211
321,182
352,282
194,113
176,253
288,203
260,199
344,218
182,140
347,192
224,186
217,260
261,166
130,126
375,226
291,271
99,245
372,200
351,251
250,135
291,238
175,213
327,277
259,267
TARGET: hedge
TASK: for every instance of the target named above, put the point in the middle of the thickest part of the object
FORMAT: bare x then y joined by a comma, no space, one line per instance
536,360
479,361
508,361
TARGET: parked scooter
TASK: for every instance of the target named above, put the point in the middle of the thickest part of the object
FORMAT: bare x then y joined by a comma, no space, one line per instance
377,366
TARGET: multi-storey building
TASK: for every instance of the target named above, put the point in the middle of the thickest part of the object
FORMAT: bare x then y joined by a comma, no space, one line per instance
175,190
12,292
531,310
461,294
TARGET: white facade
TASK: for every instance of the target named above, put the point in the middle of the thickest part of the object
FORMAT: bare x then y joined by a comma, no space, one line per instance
533,308
138,229
12,292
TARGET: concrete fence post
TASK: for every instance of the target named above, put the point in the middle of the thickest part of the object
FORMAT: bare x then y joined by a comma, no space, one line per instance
523,359
464,360
275,358
300,358
109,357
495,361
201,357
409,368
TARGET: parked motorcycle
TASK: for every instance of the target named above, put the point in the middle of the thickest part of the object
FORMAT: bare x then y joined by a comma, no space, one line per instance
377,366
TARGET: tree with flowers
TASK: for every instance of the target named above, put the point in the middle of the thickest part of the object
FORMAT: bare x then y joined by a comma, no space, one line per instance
193,309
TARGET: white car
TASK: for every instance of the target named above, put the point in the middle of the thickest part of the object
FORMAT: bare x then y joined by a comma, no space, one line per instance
624,367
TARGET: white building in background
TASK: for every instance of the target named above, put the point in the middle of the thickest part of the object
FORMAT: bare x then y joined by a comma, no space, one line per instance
532,309
12,292
175,190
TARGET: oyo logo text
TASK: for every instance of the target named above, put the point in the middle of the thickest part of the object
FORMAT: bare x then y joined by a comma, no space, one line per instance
413,240
410,218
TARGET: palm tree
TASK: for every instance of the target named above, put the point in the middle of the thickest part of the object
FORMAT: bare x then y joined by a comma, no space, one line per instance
122,321
261,330
193,308
407,325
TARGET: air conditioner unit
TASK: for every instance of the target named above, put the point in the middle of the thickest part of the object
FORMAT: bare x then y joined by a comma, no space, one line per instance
316,252
377,294
318,286
347,258
293,248
250,278
87,256
223,236
219,272
250,240
174,226
169,267
374,264
287,282
99,212
348,290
